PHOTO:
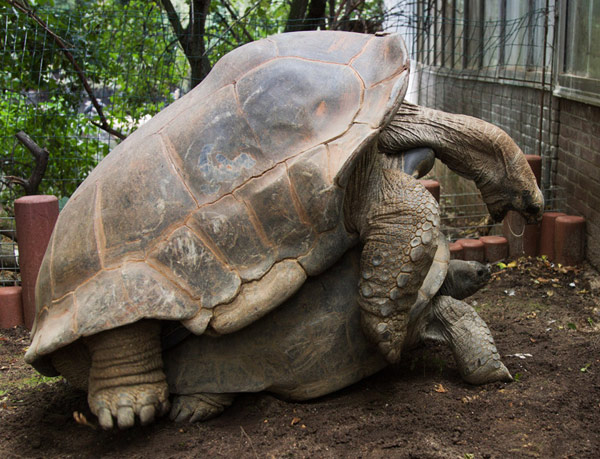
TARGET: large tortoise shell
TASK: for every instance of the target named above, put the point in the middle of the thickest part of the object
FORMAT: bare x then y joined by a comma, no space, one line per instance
233,190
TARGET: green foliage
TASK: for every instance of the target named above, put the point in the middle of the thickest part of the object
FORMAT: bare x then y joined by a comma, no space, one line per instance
73,142
129,58
132,60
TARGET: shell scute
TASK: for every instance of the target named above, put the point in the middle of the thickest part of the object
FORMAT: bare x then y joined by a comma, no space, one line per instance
153,295
379,61
344,151
293,105
378,98
326,46
96,300
270,198
230,227
79,257
53,328
139,199
196,268
138,290
44,285
321,199
220,152
235,64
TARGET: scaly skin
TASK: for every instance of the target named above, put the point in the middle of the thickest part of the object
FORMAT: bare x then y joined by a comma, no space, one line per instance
397,219
126,376
464,278
199,407
381,207
457,324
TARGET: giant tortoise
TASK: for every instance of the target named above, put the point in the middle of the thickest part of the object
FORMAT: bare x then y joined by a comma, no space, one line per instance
218,209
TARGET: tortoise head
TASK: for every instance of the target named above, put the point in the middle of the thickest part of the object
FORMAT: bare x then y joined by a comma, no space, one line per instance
474,149
506,181
464,278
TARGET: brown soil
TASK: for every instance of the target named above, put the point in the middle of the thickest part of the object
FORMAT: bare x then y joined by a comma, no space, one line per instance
420,408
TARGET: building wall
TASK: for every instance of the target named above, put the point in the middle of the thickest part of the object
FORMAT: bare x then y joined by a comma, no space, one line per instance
579,168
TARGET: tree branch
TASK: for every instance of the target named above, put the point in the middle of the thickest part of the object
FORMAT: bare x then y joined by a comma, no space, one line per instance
40,156
235,18
226,24
180,32
248,11
80,74
349,6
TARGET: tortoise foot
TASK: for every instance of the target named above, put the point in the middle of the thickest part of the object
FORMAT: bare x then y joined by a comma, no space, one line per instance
491,371
387,333
126,376
471,341
123,404
199,407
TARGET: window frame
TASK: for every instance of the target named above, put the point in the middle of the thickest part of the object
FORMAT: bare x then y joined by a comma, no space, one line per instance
458,66
566,85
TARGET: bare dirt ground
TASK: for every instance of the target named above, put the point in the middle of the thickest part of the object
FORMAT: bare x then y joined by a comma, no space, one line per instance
546,321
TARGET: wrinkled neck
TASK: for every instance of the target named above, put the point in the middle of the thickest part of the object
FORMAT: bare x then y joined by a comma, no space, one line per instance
461,142
362,189
474,149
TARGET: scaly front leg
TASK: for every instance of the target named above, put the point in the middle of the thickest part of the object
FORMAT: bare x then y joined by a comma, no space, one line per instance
399,230
126,377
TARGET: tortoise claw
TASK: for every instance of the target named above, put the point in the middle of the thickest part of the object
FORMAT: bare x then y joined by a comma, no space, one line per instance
123,404
105,419
125,417
147,414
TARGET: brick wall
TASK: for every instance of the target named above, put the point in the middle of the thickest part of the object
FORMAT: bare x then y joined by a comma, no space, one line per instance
579,168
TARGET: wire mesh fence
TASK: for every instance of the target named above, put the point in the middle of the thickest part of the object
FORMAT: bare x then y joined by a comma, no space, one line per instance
492,60
76,79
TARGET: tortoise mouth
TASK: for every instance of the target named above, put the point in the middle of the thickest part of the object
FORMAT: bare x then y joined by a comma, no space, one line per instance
498,211
484,273
530,206
533,205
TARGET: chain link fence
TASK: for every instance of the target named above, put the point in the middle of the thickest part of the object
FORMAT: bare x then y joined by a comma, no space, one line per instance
76,80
